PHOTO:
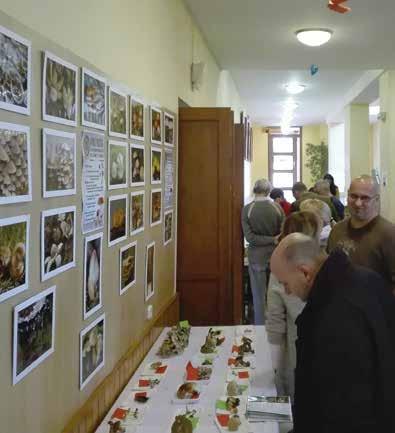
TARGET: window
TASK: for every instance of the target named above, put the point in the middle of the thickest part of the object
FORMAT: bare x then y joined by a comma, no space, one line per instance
284,160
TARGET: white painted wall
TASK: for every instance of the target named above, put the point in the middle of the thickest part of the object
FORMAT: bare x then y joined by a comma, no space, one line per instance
337,155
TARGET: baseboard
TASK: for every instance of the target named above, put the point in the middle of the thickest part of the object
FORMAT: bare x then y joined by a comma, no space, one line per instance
90,415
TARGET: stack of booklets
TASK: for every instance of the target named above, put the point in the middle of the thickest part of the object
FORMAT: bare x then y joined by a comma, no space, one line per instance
263,408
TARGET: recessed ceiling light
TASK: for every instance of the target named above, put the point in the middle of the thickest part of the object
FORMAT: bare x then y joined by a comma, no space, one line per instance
294,88
314,37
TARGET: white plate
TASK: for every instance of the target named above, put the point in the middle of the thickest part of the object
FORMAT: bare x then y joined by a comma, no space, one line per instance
148,371
177,400
181,412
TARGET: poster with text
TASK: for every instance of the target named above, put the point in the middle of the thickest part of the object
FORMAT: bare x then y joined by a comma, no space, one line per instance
169,179
93,181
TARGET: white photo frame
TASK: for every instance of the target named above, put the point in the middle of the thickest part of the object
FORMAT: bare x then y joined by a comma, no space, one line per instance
156,201
117,233
98,325
59,153
168,217
97,84
113,128
20,103
51,264
137,158
130,280
137,131
44,303
70,115
137,218
168,127
156,175
93,273
21,272
149,284
21,132
118,164
156,125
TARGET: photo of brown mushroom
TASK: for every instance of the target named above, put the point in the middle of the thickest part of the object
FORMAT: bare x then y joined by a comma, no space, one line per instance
94,100
156,126
92,274
169,129
15,72
150,271
57,241
127,267
156,207
59,163
137,213
60,103
34,332
137,124
92,345
156,165
14,250
15,172
117,219
168,227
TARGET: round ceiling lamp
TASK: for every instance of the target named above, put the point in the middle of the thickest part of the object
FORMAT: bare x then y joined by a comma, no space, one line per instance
314,37
294,88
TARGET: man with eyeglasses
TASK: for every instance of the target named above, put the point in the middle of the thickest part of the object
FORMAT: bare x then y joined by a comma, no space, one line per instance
367,237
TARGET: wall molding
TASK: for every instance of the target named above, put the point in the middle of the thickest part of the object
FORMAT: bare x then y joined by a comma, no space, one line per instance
90,415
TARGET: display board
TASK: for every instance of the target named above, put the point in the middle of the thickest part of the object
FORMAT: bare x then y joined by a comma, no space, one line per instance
72,240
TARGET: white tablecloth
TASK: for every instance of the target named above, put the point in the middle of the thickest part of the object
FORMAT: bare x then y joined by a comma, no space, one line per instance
160,410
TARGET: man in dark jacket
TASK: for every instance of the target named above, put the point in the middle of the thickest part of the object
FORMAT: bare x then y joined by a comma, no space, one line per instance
345,373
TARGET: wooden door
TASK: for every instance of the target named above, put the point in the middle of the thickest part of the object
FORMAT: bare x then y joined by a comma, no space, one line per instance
205,215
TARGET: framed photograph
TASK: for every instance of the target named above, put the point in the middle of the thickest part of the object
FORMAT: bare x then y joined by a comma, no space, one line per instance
137,164
34,333
137,119
137,212
14,255
169,129
117,164
15,163
156,125
93,274
127,267
149,271
156,207
93,100
60,102
92,346
168,228
117,113
57,241
59,163
156,165
15,72
117,219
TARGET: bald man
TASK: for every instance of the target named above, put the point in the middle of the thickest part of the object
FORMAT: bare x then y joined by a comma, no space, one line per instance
367,237
345,370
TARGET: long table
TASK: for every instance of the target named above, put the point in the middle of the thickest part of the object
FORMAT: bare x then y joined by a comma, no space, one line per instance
160,410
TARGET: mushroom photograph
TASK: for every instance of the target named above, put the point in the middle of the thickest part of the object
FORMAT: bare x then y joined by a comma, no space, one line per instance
93,274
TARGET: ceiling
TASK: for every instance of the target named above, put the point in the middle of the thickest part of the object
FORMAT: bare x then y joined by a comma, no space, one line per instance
255,41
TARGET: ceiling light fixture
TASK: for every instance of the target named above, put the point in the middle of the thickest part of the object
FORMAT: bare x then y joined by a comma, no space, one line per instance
314,37
294,88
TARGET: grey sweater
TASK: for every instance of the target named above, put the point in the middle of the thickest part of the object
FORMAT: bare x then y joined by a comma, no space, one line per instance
261,221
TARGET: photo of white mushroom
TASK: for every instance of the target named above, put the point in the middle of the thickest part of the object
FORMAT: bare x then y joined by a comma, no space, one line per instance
94,100
15,72
59,163
92,346
59,99
34,332
127,267
57,241
117,164
93,274
14,255
117,113
15,165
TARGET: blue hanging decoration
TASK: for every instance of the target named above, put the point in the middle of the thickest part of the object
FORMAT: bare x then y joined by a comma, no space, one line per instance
313,70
